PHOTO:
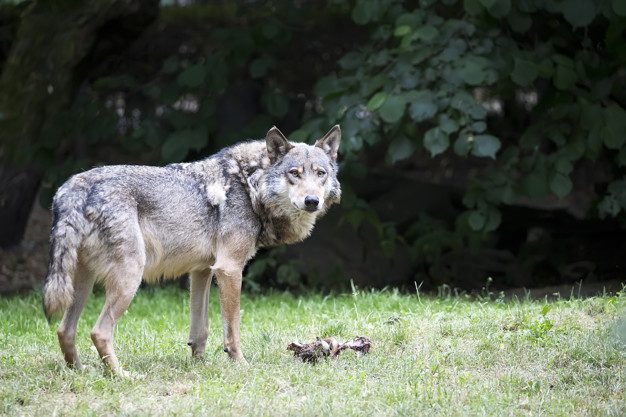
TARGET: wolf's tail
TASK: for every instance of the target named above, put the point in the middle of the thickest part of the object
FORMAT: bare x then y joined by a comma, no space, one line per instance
68,230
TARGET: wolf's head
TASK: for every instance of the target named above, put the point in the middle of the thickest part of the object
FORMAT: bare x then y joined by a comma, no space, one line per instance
304,176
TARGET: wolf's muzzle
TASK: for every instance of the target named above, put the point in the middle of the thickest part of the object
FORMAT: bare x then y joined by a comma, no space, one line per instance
311,202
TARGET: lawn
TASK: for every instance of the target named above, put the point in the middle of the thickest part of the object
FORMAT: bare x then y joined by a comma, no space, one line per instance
446,355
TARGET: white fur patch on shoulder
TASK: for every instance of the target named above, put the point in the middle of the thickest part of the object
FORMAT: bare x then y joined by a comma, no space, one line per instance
216,193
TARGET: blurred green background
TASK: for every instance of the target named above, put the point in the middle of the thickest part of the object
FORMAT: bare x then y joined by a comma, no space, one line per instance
484,141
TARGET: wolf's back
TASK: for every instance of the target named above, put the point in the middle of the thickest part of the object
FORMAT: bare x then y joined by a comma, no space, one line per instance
68,229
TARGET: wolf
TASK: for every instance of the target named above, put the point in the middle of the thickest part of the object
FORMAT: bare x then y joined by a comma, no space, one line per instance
119,225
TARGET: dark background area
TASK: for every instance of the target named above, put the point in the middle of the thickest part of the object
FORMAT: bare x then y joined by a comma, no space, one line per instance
484,141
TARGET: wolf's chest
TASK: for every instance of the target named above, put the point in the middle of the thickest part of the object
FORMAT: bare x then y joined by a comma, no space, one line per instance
285,230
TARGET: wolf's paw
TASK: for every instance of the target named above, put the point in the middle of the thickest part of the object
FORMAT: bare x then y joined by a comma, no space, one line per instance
124,374
88,370
240,360
77,366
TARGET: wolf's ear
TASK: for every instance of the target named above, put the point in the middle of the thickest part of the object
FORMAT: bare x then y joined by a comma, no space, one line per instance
330,142
277,144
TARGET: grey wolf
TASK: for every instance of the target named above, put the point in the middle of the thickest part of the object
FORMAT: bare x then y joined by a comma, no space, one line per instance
121,224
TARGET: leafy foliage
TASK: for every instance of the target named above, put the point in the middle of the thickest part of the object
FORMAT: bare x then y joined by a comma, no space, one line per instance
429,81
530,94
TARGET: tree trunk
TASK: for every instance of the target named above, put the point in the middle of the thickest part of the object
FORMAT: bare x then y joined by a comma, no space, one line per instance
40,78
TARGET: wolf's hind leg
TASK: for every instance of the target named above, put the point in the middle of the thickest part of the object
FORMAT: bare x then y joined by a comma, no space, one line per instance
120,289
83,284
200,284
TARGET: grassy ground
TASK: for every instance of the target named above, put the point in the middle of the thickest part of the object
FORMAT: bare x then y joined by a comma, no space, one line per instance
431,356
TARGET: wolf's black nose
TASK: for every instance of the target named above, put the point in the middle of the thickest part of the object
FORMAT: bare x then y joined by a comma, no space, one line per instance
311,202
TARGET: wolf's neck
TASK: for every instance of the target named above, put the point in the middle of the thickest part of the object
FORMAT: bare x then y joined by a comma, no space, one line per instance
284,228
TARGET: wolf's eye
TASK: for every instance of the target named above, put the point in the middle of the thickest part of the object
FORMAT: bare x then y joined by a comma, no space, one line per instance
295,173
321,173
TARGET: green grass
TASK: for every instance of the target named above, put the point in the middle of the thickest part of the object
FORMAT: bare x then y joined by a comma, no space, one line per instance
430,356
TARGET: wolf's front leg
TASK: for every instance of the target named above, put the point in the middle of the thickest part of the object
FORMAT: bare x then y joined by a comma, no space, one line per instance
228,273
200,284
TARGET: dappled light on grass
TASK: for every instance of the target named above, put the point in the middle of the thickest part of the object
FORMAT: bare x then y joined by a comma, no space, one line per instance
432,355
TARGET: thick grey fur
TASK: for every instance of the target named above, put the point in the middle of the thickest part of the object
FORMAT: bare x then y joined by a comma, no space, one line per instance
119,224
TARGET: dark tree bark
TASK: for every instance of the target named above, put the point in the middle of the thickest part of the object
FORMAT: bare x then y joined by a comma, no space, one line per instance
9,22
48,60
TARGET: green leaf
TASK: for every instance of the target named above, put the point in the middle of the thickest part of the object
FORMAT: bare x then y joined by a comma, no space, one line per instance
455,49
330,85
423,107
524,72
488,3
478,127
392,109
463,145
494,218
270,30
565,77
409,19
426,33
436,141
421,54
614,130
472,7
519,22
615,200
354,143
546,68
362,12
595,138
578,13
276,104
350,61
193,76
601,88
619,7
536,183
560,185
400,148
609,206
462,100
591,115
178,144
477,220
563,166
485,146
618,189
500,9
170,66
402,30
377,100
563,60
472,72
447,124
152,91
300,135
260,66
379,58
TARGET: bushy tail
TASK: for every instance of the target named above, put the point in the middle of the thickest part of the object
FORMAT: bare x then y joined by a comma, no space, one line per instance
67,233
